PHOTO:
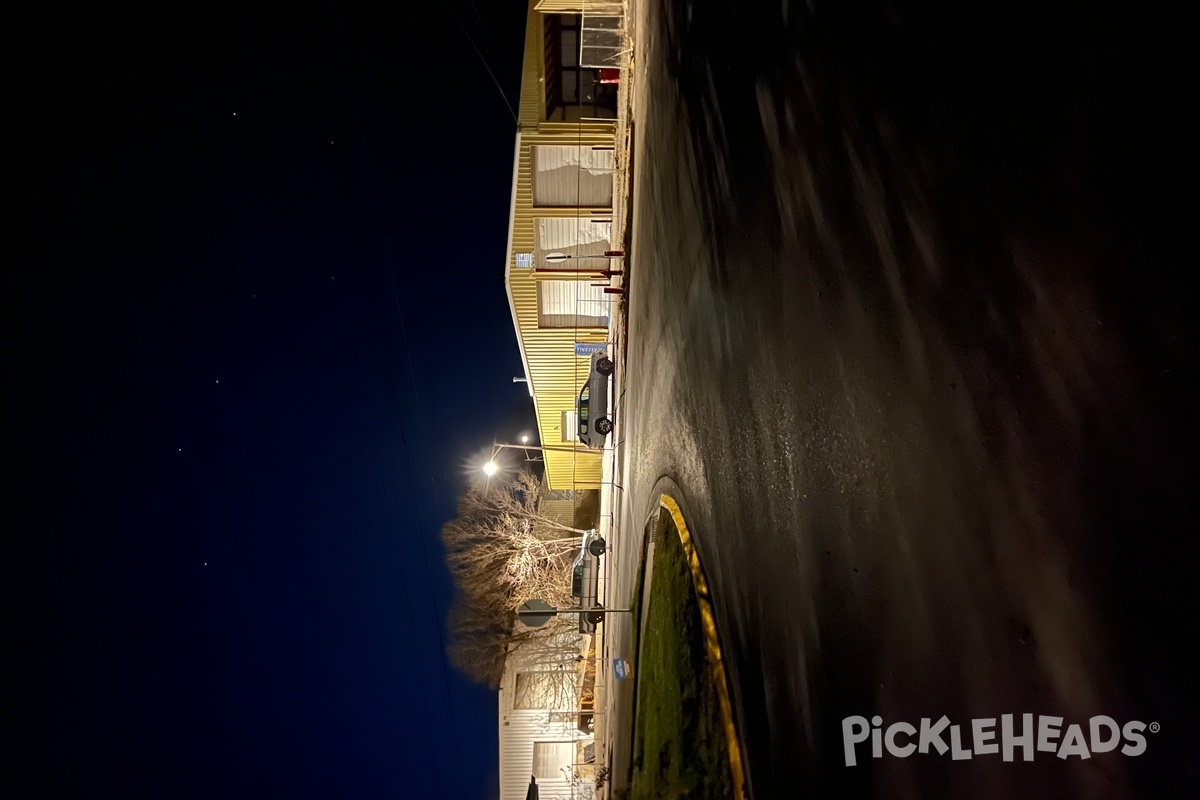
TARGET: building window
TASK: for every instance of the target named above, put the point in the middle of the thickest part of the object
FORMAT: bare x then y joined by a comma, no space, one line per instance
572,244
569,37
570,426
572,176
553,759
570,87
572,304
573,92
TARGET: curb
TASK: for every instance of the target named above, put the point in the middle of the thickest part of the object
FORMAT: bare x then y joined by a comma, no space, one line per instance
708,621
713,641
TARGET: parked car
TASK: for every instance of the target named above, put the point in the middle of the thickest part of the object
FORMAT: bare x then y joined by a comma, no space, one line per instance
592,405
585,580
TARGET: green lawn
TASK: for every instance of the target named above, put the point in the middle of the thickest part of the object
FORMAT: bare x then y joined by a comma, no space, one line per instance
679,748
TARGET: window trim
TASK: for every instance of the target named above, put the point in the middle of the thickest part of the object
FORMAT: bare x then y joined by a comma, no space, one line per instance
560,321
555,105
556,775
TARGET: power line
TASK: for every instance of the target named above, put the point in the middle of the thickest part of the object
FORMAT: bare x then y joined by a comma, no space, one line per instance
483,25
486,66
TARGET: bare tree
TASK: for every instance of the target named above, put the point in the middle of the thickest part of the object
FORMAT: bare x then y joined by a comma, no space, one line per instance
501,552
550,646
483,639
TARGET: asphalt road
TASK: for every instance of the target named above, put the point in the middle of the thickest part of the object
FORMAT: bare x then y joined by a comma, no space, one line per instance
909,331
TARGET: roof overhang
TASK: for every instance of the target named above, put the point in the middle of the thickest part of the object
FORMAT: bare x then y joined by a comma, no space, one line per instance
508,264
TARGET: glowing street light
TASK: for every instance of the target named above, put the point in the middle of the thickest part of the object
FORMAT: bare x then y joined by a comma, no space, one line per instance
491,468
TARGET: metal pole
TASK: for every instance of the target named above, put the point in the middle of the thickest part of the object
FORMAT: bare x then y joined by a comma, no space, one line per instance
595,610
542,447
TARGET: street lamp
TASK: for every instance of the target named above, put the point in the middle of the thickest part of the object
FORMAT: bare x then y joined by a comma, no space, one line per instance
490,467
541,448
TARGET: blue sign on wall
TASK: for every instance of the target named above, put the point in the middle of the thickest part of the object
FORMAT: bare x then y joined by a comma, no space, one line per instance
587,349
620,668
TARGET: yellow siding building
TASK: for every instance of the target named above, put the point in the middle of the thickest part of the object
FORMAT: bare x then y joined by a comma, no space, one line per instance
559,226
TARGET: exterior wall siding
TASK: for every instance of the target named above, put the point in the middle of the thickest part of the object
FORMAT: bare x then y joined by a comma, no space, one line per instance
561,511
520,729
578,7
556,374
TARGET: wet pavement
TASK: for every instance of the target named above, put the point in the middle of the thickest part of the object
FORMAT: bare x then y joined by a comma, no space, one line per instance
909,330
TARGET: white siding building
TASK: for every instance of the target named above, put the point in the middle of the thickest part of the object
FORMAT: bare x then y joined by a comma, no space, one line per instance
540,733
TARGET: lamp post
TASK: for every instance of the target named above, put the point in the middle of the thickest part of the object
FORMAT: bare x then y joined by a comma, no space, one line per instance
490,467
536,613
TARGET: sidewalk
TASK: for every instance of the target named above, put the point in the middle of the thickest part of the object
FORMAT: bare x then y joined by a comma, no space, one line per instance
611,494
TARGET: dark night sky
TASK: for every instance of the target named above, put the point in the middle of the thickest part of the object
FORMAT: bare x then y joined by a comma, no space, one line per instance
206,209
